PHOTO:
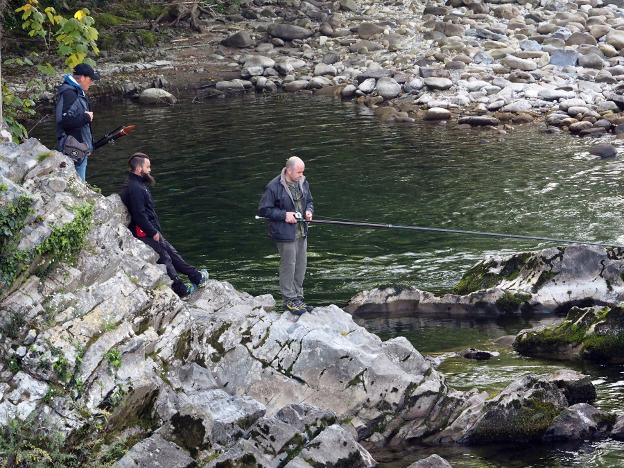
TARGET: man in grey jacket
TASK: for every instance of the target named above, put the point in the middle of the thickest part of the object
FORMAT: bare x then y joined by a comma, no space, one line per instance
286,203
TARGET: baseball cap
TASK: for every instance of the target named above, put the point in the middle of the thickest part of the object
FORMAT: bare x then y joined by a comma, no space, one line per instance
86,70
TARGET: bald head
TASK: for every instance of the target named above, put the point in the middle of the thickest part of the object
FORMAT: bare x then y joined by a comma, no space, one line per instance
294,169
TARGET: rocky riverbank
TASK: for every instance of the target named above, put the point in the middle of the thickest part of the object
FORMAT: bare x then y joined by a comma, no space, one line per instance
479,63
96,350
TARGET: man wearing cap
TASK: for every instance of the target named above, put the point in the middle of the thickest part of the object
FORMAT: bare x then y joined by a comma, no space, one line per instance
73,111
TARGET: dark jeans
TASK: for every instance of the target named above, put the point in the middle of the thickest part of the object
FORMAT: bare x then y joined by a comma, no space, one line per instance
174,263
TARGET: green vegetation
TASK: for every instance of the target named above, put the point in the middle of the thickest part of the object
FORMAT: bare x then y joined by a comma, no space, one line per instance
24,443
66,241
13,217
511,302
113,356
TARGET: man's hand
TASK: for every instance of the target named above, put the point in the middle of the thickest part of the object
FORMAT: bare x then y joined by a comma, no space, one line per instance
156,237
90,115
308,216
290,217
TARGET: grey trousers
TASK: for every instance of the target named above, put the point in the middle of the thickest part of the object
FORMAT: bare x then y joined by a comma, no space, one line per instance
293,262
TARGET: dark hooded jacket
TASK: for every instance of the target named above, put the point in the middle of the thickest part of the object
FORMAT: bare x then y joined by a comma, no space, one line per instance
71,119
276,201
138,199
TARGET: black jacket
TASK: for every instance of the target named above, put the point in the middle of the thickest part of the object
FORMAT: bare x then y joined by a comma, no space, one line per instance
71,119
276,201
138,199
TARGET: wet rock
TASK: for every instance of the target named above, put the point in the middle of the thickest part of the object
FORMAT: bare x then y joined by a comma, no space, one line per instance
476,354
517,63
618,428
591,333
432,461
297,85
368,85
479,120
289,32
156,96
335,447
521,412
577,387
323,69
437,113
579,422
240,39
603,150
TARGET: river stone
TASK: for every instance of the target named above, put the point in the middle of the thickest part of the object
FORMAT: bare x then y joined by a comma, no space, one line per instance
618,428
348,5
517,63
156,96
615,38
564,58
483,58
365,46
550,94
578,111
603,150
438,83
521,412
591,60
323,69
577,387
578,127
388,88
432,461
240,39
521,105
564,104
331,58
579,422
368,30
437,113
479,120
599,30
530,45
284,68
258,61
579,38
156,452
297,85
368,85
348,91
319,82
414,85
375,73
289,32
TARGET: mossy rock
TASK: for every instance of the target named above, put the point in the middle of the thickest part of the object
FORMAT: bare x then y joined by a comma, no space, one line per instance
481,276
595,333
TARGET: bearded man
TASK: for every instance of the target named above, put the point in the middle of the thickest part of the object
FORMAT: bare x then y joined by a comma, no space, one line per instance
145,225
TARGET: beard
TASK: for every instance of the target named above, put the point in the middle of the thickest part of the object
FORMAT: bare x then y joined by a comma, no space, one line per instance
148,179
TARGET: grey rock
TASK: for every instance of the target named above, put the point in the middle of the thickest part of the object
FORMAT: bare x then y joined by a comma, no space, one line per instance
479,120
437,113
156,452
579,422
432,461
335,447
348,91
438,83
517,63
348,5
289,32
564,58
591,61
604,150
618,428
156,96
577,387
368,85
388,88
297,85
322,69
521,105
368,30
240,39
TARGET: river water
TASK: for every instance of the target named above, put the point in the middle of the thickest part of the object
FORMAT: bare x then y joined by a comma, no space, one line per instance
212,160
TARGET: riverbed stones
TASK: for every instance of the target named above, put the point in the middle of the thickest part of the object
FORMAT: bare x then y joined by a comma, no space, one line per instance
438,83
432,461
437,113
517,63
579,422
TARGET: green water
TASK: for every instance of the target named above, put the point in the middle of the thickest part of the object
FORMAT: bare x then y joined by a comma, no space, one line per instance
212,160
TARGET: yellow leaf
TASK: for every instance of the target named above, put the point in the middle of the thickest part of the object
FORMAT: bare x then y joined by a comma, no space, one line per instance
79,15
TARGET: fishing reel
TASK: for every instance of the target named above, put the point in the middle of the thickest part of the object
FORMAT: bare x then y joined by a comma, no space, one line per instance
298,217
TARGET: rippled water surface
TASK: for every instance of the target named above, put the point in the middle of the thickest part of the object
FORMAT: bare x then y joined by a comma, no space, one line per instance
212,160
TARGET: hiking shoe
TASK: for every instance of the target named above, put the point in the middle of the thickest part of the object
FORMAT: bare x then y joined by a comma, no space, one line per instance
302,303
295,306
204,279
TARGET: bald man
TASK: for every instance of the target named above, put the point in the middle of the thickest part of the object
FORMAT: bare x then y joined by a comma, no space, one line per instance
286,203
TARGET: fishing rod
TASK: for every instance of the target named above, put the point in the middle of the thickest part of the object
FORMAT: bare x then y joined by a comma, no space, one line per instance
113,136
442,230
